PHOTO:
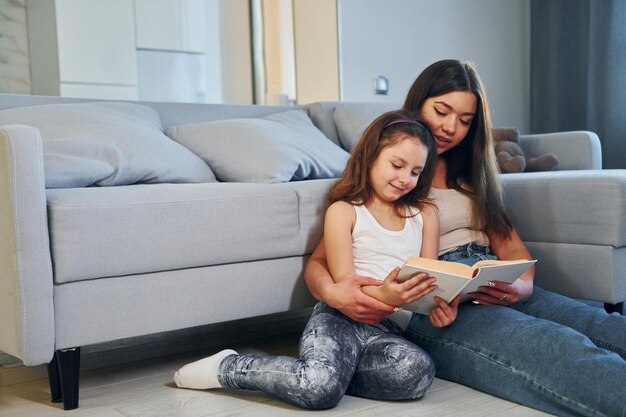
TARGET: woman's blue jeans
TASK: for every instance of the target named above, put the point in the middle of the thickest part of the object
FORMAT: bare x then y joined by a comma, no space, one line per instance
551,352
337,356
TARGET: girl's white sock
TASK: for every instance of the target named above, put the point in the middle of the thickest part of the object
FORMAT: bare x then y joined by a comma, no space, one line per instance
202,374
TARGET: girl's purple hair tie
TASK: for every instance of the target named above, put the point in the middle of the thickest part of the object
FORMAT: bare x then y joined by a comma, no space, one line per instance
396,121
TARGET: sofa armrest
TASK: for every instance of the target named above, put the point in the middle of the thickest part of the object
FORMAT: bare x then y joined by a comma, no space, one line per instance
575,150
26,286
574,223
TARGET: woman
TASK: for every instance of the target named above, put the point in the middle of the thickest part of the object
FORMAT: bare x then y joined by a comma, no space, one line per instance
546,351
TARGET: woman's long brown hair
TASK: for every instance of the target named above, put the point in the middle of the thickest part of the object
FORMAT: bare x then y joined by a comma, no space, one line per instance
473,162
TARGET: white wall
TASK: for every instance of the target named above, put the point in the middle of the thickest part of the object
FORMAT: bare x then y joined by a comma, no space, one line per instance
399,38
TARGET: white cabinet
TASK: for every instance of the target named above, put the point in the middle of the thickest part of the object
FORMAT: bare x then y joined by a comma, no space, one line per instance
171,25
102,92
88,48
83,47
95,41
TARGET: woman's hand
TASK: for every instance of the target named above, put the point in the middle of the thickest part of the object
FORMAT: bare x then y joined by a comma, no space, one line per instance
444,314
502,293
347,296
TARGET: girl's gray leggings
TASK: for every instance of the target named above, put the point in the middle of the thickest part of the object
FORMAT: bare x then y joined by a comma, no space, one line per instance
337,356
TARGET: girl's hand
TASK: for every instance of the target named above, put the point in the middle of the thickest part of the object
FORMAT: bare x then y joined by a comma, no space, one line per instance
347,296
444,314
397,293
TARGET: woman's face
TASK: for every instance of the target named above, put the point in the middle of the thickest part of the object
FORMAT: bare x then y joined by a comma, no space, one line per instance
449,117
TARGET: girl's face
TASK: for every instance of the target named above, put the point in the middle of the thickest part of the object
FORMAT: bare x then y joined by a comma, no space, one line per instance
449,117
395,171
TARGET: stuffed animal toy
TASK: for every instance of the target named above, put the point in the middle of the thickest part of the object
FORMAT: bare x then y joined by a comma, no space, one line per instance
511,156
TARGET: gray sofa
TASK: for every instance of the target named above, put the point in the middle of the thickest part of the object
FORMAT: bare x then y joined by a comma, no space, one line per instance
83,264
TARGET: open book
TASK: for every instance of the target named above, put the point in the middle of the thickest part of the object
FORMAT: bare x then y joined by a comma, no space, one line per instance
454,278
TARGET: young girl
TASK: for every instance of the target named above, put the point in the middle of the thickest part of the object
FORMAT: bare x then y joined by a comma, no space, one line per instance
378,217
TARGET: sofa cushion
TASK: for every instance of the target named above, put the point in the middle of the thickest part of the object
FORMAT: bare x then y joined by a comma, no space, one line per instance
353,118
107,144
275,148
112,231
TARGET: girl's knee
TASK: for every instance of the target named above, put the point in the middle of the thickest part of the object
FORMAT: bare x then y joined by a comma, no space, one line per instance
416,372
320,388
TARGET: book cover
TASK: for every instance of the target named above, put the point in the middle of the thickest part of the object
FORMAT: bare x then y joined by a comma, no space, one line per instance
454,278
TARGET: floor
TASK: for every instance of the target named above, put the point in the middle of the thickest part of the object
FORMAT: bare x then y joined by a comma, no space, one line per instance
133,377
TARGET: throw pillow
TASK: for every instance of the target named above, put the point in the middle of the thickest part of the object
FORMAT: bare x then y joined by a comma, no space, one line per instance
276,148
107,144
353,118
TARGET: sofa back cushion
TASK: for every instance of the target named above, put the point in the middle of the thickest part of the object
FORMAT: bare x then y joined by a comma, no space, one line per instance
275,148
353,118
106,144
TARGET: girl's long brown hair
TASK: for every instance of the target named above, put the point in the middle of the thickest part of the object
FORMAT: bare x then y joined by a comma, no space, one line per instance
354,185
473,162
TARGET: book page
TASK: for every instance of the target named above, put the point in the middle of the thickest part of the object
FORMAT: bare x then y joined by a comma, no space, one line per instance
454,268
488,262
449,287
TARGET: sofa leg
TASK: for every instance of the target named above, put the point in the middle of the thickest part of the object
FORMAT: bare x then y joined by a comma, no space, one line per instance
54,380
613,308
67,376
